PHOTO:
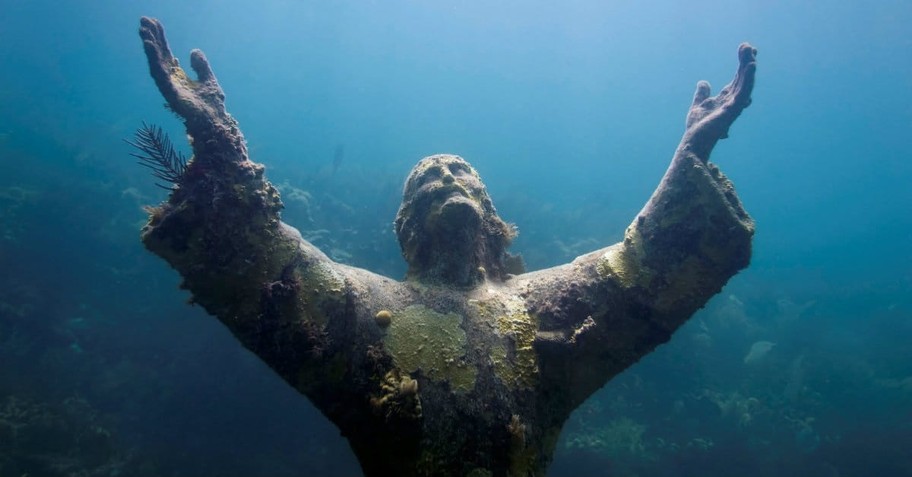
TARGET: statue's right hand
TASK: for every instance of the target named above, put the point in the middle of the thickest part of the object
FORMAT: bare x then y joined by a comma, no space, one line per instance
191,100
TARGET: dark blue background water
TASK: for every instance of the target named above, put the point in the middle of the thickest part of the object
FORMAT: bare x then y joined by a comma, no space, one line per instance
570,111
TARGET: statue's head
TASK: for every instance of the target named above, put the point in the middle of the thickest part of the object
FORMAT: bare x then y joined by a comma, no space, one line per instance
448,228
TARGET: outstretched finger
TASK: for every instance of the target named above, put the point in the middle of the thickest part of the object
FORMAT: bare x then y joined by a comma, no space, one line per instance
702,92
153,36
744,78
200,65
697,111
161,61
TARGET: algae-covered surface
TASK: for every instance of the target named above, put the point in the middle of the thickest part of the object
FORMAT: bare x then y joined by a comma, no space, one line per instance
421,339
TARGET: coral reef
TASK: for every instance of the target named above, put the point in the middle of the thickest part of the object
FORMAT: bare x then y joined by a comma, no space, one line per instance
12,200
64,439
621,438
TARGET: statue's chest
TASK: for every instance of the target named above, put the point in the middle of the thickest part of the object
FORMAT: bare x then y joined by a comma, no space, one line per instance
458,339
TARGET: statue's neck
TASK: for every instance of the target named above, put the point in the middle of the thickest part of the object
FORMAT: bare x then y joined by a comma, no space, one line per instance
458,273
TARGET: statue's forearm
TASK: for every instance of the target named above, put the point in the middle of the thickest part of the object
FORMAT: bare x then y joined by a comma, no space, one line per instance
608,308
693,234
689,239
220,226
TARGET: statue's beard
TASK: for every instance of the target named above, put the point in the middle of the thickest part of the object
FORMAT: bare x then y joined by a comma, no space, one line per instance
457,215
451,239
444,240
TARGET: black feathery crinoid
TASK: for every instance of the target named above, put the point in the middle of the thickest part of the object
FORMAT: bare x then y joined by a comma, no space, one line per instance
157,153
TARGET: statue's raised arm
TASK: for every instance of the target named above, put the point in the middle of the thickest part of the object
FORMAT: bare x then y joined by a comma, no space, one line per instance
310,319
603,312
467,366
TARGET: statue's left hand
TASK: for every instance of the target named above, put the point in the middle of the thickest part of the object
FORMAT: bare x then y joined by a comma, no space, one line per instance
710,118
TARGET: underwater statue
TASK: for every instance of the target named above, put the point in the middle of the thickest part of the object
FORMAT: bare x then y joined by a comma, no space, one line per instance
466,367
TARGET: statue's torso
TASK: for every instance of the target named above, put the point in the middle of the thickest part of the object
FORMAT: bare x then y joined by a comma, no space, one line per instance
459,376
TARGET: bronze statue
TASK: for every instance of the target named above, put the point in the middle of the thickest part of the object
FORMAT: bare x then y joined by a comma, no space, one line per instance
466,367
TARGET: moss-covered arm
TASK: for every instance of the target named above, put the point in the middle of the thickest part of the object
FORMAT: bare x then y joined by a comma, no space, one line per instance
320,325
220,226
308,318
607,309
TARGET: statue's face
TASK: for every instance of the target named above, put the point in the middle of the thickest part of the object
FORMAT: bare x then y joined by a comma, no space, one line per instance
447,226
451,191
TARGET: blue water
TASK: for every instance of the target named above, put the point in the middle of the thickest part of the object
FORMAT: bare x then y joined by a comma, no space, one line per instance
570,111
